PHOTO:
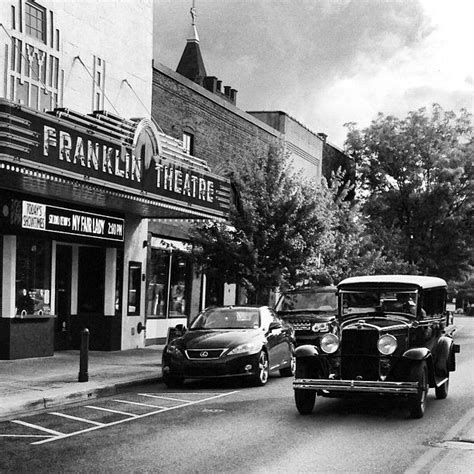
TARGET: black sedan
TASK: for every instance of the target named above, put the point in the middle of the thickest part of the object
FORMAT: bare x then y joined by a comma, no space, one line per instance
231,341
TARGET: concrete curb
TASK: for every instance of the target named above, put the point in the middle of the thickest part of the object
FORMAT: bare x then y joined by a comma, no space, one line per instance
66,397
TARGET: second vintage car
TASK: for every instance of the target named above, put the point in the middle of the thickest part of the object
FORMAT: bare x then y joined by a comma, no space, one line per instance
393,341
231,341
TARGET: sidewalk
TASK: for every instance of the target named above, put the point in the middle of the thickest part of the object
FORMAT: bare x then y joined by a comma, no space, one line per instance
33,384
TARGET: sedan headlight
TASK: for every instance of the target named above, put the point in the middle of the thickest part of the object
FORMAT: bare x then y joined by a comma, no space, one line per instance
387,344
247,348
329,343
320,327
173,350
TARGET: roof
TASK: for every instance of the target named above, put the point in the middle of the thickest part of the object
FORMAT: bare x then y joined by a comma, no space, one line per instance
415,280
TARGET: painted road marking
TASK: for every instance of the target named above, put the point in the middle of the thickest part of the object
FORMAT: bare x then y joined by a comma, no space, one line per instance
37,427
138,403
133,417
23,436
64,415
163,398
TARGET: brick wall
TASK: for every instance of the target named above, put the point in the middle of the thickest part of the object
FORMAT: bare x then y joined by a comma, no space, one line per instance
221,131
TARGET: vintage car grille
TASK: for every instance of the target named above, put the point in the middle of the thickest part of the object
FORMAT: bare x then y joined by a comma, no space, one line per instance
203,354
359,354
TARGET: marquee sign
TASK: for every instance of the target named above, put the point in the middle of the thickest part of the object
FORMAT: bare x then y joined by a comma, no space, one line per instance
112,152
43,217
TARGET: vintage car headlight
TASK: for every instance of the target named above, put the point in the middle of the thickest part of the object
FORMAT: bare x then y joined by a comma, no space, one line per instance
320,327
247,348
387,344
329,343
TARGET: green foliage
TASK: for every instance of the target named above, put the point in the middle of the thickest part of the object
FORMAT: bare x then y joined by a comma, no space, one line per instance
281,221
415,183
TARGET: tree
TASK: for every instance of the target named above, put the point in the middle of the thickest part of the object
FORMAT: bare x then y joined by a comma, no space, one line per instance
281,222
415,181
349,249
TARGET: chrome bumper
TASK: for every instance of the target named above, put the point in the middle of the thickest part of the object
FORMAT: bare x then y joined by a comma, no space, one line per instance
355,386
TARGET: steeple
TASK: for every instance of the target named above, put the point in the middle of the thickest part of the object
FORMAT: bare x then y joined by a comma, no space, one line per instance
191,64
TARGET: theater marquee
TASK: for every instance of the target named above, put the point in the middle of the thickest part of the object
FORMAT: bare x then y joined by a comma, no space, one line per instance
119,155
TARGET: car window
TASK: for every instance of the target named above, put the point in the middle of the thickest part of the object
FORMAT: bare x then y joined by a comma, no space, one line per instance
386,301
227,318
308,300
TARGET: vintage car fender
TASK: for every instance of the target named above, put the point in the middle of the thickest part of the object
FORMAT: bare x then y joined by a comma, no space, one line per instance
306,350
443,356
417,353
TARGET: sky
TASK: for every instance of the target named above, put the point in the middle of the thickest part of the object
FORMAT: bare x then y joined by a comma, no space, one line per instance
329,62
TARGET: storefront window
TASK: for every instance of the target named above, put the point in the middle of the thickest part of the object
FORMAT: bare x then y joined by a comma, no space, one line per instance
169,284
178,293
119,282
33,276
134,283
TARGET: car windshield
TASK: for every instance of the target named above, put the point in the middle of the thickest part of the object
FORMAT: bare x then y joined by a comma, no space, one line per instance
326,301
227,318
353,302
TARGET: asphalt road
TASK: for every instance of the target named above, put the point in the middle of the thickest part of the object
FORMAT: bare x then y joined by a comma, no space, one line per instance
236,428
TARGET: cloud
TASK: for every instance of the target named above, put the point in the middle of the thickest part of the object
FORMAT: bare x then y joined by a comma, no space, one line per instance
329,62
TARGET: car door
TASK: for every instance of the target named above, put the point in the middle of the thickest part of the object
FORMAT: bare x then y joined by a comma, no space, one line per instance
276,338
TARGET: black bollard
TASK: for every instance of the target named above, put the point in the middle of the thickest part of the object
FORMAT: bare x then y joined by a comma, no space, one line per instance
84,357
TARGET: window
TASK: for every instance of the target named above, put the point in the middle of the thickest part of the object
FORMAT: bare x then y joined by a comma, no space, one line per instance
188,143
134,284
169,284
33,276
35,19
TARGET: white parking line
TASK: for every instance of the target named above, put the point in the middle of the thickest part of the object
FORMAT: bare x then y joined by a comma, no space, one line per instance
64,415
23,436
36,427
138,403
163,398
135,417
112,411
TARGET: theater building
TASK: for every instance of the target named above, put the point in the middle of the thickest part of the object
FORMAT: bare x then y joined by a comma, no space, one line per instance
91,189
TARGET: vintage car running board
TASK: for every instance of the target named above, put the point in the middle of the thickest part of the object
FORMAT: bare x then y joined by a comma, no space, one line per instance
355,386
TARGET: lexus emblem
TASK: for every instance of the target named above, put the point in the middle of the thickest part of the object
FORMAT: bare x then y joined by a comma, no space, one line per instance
203,354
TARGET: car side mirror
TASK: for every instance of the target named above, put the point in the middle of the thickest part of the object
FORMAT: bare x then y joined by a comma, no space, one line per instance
275,325
180,329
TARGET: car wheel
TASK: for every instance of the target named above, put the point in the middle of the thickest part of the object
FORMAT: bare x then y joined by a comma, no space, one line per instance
291,369
419,373
263,370
173,382
304,400
441,392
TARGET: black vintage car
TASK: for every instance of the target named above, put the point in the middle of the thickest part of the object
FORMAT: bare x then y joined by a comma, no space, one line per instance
392,340
311,310
231,341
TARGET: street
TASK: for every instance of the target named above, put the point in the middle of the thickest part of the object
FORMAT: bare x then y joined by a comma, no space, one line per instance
231,427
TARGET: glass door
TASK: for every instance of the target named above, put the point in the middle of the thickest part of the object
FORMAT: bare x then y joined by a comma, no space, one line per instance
63,297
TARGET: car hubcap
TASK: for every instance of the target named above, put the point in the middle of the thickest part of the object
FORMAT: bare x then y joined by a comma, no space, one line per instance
263,366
